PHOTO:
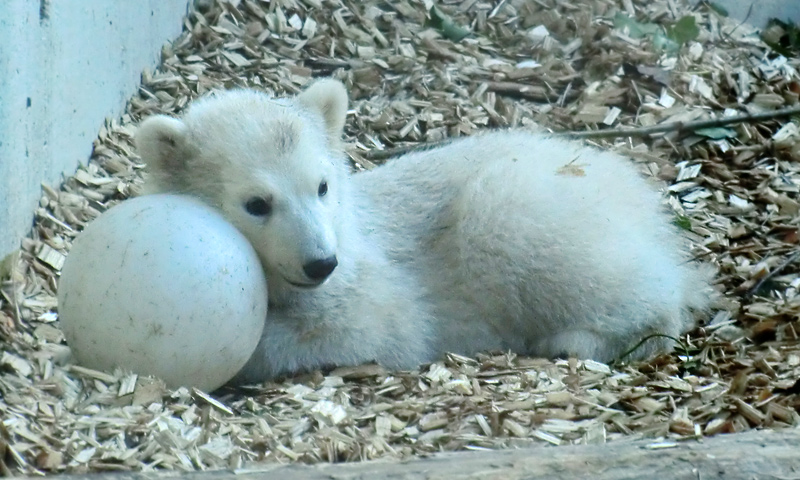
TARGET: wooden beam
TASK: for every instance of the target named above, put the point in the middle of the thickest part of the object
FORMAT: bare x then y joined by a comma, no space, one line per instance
773,455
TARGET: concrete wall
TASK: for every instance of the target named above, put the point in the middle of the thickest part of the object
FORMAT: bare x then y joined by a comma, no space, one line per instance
66,65
762,10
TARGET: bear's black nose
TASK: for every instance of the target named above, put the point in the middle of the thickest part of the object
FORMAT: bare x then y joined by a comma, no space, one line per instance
320,269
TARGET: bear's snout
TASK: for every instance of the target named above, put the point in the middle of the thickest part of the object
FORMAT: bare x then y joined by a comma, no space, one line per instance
318,270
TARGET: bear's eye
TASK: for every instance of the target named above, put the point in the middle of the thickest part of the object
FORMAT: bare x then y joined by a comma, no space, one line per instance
323,188
258,207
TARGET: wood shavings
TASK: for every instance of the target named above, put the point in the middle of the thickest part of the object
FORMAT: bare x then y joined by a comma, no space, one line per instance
550,64
200,395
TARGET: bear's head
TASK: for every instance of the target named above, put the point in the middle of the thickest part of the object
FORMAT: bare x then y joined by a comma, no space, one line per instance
273,167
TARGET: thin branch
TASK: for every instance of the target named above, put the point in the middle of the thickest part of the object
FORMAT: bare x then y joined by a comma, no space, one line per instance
374,155
678,341
755,288
746,18
681,127
536,93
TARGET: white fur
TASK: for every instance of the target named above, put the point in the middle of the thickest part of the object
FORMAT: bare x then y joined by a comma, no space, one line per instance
506,240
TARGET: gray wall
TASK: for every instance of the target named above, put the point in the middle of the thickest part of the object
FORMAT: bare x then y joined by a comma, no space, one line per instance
66,65
762,10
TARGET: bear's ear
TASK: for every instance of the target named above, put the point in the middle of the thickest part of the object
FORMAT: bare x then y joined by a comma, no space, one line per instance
163,144
328,97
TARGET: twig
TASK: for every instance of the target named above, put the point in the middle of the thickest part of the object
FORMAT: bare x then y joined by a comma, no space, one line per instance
685,126
679,127
331,64
682,346
746,17
755,288
436,49
530,92
374,155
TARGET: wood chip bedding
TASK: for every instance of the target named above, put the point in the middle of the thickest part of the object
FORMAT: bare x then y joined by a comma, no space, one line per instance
564,65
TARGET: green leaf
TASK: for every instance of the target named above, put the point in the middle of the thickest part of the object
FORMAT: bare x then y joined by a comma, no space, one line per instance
682,222
635,29
667,39
449,29
662,42
716,133
684,31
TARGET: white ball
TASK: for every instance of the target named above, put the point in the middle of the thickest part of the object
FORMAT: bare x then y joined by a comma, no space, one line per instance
163,285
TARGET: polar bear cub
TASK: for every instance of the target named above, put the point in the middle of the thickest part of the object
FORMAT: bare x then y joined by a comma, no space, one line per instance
505,240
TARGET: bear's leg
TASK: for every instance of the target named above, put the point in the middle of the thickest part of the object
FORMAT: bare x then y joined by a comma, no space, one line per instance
572,343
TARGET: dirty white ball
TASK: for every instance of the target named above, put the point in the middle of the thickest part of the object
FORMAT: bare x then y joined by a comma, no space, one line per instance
163,285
